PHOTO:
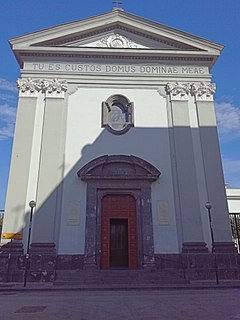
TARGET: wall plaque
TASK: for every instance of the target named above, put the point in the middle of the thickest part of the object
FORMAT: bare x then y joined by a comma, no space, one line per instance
73,213
163,212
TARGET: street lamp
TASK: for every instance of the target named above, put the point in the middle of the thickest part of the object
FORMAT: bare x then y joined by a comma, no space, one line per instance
32,205
208,206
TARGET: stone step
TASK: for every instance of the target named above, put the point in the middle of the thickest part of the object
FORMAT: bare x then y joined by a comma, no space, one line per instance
68,274
78,277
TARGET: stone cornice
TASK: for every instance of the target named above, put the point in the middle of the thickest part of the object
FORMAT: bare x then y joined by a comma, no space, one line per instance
51,87
72,39
110,53
119,27
116,21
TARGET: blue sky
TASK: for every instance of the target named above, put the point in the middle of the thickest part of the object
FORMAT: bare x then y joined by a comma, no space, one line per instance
216,20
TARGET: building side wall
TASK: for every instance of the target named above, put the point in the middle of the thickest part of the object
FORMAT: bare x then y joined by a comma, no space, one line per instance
233,197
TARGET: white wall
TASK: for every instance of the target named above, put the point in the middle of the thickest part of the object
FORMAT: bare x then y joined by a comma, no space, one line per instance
86,140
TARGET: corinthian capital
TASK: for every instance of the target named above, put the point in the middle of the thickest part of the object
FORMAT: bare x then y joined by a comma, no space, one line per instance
178,91
54,86
28,86
203,91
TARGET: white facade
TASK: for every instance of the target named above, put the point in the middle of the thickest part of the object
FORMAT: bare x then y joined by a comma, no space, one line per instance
66,74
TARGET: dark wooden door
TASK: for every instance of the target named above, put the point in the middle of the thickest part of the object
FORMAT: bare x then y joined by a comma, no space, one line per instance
118,232
118,243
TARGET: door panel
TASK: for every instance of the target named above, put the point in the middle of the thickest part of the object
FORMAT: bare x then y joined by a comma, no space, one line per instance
118,225
118,243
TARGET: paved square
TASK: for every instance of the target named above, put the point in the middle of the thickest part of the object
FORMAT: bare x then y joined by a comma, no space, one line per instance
128,305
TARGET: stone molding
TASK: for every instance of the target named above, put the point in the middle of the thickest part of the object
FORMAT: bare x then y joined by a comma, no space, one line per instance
114,175
180,91
124,122
119,56
120,28
118,167
51,87
203,91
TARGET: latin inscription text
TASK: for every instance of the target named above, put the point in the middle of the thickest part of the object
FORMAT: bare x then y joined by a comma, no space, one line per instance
120,69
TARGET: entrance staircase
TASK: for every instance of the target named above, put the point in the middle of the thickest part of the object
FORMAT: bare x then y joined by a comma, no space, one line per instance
121,278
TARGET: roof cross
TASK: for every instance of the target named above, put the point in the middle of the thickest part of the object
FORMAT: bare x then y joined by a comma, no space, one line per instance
117,4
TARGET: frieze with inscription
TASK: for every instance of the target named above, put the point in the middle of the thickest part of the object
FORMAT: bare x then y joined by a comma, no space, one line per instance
117,68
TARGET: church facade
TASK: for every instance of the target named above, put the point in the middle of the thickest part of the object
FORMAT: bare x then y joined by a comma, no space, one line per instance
116,142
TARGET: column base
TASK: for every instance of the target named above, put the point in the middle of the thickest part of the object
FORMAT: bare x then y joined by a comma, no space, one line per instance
42,262
194,247
43,248
15,248
90,263
225,247
149,262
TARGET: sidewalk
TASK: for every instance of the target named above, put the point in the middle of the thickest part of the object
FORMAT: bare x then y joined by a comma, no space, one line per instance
116,304
49,286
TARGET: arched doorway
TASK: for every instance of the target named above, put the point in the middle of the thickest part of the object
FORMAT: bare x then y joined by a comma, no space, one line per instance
126,179
119,232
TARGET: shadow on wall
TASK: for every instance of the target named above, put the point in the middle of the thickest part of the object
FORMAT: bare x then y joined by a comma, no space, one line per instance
154,145
59,222
68,217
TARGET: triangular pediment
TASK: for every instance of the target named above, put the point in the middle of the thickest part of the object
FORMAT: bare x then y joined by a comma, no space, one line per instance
113,31
117,36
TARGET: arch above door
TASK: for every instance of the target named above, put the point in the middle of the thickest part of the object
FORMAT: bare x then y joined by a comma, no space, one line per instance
119,167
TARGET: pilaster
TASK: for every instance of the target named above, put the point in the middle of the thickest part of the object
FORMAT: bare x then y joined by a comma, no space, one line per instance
183,156
16,200
203,93
51,163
